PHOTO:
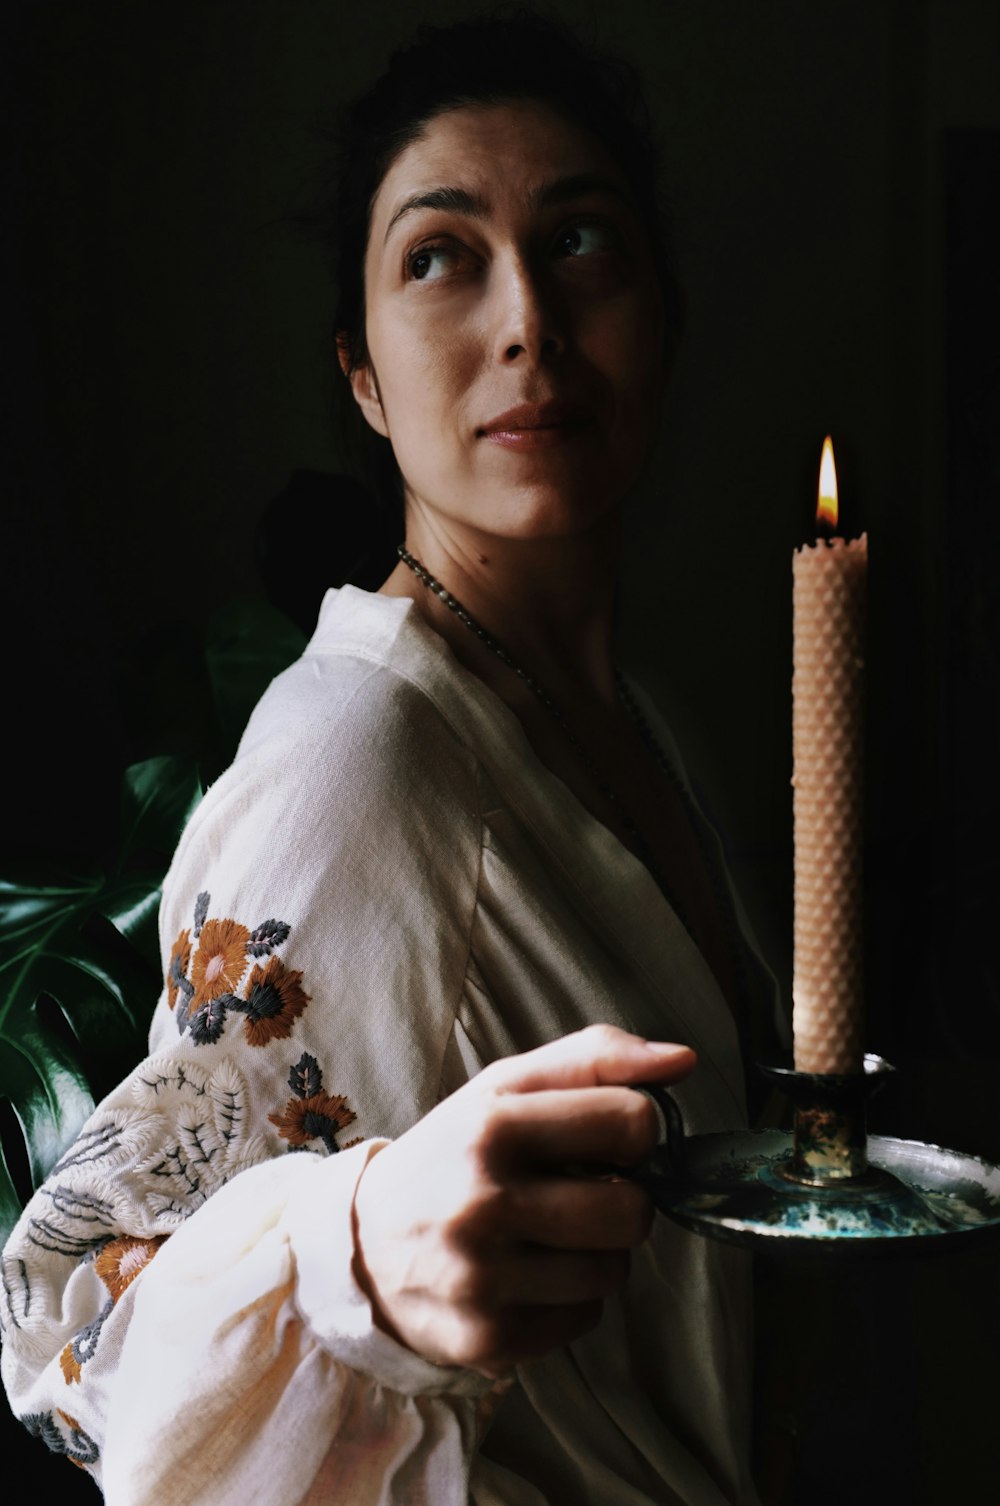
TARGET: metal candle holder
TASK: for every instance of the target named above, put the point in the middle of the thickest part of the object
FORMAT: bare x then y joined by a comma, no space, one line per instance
827,1187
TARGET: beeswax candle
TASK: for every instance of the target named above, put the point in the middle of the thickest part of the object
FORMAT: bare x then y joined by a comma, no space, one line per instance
829,602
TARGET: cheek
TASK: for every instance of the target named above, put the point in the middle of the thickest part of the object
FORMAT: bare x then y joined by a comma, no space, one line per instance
638,357
425,373
422,363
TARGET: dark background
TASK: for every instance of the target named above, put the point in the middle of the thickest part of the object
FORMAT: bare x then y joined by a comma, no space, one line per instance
834,172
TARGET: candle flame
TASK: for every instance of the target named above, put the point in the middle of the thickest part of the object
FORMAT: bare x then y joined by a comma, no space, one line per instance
826,505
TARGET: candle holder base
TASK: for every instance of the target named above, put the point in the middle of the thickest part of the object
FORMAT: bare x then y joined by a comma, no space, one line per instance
826,1188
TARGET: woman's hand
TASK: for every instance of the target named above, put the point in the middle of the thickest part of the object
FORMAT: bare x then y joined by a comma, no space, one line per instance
476,1243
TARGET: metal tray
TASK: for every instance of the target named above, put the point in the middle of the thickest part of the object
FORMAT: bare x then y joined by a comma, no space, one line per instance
914,1198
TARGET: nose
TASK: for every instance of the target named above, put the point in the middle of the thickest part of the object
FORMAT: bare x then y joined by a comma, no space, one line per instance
528,327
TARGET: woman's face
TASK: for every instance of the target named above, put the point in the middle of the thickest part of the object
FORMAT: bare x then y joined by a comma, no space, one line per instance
523,278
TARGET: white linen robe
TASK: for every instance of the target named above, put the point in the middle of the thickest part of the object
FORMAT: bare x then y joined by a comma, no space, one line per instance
386,891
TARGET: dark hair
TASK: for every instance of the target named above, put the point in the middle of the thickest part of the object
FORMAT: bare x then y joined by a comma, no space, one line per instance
507,53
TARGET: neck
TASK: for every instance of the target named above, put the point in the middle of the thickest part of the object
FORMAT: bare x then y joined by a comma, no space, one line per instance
549,602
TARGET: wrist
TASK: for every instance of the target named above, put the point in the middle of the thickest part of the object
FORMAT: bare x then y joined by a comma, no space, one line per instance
360,1268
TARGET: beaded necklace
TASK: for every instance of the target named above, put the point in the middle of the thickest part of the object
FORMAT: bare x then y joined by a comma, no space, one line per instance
741,1005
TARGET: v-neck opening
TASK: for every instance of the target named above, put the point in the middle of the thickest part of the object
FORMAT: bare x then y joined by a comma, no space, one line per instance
393,631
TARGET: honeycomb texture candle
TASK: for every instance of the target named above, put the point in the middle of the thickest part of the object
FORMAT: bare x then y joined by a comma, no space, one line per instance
828,621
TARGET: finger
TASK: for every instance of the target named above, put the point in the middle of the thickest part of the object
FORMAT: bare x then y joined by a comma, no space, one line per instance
532,1331
579,1213
598,1055
560,1278
556,1127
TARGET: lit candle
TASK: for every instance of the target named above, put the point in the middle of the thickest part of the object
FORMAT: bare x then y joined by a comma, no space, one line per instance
828,624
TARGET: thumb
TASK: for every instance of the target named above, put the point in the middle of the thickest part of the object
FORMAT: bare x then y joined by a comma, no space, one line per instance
597,1056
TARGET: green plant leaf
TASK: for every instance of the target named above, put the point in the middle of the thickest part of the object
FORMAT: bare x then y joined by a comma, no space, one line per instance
157,798
247,643
79,978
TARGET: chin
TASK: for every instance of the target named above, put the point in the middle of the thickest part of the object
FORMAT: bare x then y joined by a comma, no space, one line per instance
549,512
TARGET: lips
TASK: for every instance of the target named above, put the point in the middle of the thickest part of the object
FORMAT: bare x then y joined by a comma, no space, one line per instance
554,414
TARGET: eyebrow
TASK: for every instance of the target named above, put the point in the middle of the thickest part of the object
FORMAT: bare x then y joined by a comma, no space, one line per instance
461,201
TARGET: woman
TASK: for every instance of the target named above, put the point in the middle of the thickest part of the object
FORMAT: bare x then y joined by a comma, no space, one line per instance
451,904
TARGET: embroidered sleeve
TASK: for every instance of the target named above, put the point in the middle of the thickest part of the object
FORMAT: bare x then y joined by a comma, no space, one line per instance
330,1405
180,1288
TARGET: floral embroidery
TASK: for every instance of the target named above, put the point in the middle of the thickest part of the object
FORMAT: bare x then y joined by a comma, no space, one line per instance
207,1023
274,1000
312,1114
200,912
269,934
117,1262
174,1133
204,987
82,1450
82,1345
220,961
79,1448
180,959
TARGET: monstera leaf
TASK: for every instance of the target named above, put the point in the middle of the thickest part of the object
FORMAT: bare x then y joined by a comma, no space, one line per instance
247,643
79,976
79,957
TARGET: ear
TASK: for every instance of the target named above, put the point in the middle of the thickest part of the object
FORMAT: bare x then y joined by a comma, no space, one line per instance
364,385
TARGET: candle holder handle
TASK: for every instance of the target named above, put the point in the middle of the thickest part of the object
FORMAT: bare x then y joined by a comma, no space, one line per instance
666,1168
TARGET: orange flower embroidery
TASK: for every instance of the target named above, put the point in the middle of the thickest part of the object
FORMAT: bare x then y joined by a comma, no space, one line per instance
204,995
121,1260
312,1114
82,1345
117,1263
180,958
274,1000
220,960
318,1117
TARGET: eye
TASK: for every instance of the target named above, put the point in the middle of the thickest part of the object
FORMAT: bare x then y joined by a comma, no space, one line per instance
586,239
420,262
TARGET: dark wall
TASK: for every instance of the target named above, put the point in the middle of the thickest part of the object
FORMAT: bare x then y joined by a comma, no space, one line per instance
834,174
